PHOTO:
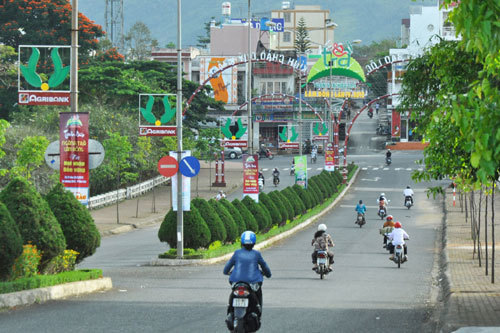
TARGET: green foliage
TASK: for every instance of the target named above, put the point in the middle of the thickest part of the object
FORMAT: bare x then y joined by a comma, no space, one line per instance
30,155
330,182
214,223
235,214
227,220
275,213
288,205
187,254
11,242
285,211
26,265
322,183
196,232
248,218
116,161
302,42
75,220
36,222
258,211
303,195
62,263
297,204
41,281
315,191
138,42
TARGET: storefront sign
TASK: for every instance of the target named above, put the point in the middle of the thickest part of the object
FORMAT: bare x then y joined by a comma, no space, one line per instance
234,131
396,124
385,61
74,153
329,157
288,145
251,176
335,94
301,170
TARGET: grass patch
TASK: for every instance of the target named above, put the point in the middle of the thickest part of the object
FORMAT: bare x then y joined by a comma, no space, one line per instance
40,281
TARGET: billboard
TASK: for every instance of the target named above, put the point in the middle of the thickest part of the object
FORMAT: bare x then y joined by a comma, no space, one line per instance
396,124
251,176
157,115
224,84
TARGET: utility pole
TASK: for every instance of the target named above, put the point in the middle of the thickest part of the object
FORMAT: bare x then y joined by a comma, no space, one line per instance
180,217
74,57
249,86
300,106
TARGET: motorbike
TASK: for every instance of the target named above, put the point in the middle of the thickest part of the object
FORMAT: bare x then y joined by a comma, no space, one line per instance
370,114
399,256
265,153
261,184
408,202
360,220
292,170
244,308
382,212
276,180
388,160
313,157
322,257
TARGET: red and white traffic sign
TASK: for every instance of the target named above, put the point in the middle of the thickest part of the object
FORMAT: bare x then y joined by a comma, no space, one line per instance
168,166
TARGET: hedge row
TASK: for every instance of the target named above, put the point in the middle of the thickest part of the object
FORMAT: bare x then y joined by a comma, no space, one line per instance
223,221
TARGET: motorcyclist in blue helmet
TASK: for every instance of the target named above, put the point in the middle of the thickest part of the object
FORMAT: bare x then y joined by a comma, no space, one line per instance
246,262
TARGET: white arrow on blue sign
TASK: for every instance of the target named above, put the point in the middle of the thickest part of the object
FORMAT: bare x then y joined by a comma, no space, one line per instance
189,166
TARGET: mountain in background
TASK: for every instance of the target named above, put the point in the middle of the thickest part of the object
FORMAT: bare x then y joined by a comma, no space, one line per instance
368,20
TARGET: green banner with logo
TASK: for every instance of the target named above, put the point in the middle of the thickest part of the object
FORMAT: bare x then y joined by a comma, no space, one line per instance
301,170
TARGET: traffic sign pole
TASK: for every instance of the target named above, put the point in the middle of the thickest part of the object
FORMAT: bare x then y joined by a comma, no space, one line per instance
180,217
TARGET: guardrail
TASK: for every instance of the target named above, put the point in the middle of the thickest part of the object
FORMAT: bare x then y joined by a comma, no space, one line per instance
109,198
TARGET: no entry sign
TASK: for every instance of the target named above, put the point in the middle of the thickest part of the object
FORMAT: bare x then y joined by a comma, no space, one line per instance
167,166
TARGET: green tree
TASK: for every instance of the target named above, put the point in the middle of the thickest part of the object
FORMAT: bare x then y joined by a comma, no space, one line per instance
217,229
297,204
260,213
144,158
227,220
12,243
171,45
265,200
36,222
138,42
8,80
30,155
248,218
196,232
276,199
238,219
77,224
204,41
4,125
302,42
303,195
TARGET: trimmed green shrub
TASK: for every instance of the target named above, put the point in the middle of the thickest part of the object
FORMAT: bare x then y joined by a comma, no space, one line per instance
227,220
327,183
315,192
303,195
250,221
76,222
257,210
320,183
333,181
276,217
11,242
214,223
297,204
276,199
36,222
287,204
338,176
235,214
196,232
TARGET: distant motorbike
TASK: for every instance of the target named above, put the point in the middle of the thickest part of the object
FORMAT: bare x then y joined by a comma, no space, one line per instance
388,160
382,212
408,201
370,113
313,157
265,153
261,184
322,257
292,170
276,180
244,308
360,220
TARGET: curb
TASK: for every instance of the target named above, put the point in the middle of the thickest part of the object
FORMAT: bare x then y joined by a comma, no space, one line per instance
41,295
267,243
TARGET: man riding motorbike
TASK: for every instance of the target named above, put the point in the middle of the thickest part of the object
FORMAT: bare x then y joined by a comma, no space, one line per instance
360,209
321,241
246,262
388,155
261,176
382,202
314,153
276,176
408,193
397,237
387,228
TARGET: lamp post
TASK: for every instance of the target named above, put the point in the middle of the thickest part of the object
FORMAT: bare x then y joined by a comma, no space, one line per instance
249,87
180,216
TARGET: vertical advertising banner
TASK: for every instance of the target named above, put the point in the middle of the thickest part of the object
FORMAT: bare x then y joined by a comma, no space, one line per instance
224,84
186,185
329,157
251,176
301,170
396,124
74,153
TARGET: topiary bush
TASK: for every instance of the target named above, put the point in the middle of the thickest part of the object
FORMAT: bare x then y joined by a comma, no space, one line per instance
315,192
196,232
275,198
303,195
11,243
327,183
75,220
227,220
297,203
275,213
263,220
250,221
338,176
214,223
235,214
319,182
36,222
288,206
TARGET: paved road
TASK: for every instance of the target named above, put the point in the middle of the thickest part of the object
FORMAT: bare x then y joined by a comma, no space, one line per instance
365,293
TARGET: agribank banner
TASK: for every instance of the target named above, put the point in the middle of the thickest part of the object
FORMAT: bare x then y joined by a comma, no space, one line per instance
225,84
74,153
251,176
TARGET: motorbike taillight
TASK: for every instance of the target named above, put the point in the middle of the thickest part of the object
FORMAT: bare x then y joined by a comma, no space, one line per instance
321,255
398,247
241,291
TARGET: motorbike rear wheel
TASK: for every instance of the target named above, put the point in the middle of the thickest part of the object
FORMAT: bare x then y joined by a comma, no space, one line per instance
399,261
240,327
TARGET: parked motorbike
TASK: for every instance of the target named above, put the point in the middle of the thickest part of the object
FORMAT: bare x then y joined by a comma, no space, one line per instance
388,160
370,113
360,220
399,256
276,180
382,212
244,308
266,153
408,202
292,170
322,257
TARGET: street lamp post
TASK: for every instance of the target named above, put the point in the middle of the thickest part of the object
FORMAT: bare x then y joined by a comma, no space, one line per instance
180,217
300,107
249,86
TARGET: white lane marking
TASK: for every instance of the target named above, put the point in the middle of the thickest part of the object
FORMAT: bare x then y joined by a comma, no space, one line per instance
376,179
286,169
309,169
397,169
319,168
375,168
408,169
364,168
420,169
386,169
265,169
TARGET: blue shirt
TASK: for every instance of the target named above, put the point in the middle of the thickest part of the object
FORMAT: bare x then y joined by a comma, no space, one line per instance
360,208
246,266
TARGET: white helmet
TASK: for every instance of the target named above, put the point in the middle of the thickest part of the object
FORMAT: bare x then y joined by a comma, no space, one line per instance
382,194
322,227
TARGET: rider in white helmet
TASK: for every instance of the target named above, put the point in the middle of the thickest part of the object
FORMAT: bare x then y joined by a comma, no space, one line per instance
322,241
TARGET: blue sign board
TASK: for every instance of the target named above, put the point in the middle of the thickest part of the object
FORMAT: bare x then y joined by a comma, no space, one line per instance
189,166
261,24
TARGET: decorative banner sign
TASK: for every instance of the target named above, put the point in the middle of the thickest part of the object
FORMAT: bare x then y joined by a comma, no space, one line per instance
32,90
225,84
301,170
167,166
287,137
74,153
329,157
251,176
235,135
186,185
155,117
320,130
396,124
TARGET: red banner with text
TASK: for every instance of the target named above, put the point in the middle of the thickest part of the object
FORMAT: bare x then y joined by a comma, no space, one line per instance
329,157
251,176
74,153
396,124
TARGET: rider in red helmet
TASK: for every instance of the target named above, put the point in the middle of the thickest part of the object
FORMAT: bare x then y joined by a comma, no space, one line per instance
397,237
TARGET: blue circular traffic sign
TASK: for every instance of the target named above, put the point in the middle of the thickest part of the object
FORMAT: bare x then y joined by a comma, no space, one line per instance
189,166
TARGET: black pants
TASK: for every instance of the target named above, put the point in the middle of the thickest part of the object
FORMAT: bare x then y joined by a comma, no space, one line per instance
255,296
314,256
391,248
411,198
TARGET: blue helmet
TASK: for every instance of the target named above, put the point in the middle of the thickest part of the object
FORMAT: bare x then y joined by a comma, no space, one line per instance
248,237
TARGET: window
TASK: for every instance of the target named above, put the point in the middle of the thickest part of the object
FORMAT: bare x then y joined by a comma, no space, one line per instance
283,88
287,37
262,88
287,16
276,87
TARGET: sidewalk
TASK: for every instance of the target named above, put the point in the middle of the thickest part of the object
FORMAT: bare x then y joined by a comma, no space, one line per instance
472,299
106,218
